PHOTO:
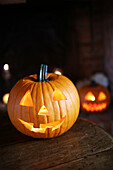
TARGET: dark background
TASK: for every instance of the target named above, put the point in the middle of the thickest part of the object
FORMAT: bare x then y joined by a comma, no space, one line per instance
75,36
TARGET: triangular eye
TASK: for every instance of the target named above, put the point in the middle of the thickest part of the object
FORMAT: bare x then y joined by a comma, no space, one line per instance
101,96
43,111
58,95
89,96
26,100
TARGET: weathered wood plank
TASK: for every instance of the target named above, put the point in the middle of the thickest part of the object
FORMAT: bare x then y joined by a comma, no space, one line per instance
100,161
83,139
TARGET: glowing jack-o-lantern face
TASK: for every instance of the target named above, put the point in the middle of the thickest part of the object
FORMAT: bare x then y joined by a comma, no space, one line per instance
27,101
43,109
94,98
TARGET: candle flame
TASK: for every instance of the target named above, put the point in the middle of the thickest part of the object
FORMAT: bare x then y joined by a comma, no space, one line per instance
92,98
5,98
6,67
58,71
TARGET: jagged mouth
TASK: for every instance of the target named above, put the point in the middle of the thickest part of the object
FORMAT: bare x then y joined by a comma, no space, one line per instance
52,125
94,107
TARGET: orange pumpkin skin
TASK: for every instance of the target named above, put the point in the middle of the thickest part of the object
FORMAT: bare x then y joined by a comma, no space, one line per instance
59,115
94,99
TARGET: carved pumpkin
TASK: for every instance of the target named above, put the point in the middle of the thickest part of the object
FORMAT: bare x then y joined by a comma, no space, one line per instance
94,98
43,107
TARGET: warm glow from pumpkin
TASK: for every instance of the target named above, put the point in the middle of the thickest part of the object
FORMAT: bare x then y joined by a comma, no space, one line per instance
53,125
43,111
43,105
58,95
43,127
6,67
58,72
26,100
5,98
94,107
90,97
101,96
94,98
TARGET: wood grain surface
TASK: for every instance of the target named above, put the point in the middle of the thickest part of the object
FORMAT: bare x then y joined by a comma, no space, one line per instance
84,146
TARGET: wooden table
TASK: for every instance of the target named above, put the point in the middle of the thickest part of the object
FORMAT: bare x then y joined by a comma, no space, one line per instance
84,146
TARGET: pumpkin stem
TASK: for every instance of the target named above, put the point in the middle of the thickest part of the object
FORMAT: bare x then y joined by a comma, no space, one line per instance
93,83
45,73
41,76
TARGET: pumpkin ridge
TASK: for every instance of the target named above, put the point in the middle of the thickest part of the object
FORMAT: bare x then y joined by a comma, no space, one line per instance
67,114
39,103
16,97
34,112
29,117
15,103
51,104
60,116
72,102
69,82
46,117
52,84
11,108
48,91
25,131
33,94
61,111
52,96
75,93
22,108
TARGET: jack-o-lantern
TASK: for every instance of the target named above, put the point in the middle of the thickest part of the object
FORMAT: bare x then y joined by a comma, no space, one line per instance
43,107
94,98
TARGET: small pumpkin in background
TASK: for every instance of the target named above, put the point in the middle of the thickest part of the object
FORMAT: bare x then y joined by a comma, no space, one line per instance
43,106
94,98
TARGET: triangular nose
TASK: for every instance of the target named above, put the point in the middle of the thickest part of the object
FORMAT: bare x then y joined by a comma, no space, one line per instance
43,111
